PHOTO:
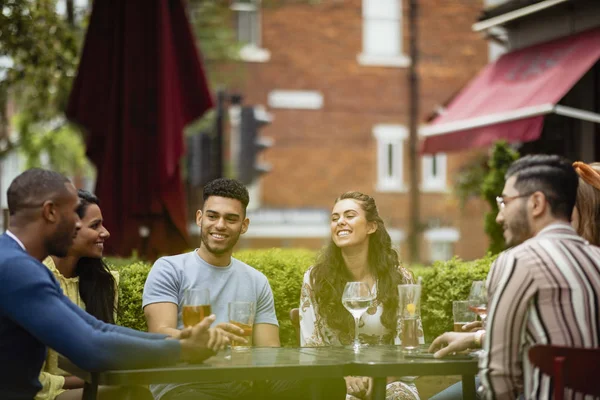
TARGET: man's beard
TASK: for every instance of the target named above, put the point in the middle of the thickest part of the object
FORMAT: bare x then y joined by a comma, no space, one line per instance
62,240
519,228
217,251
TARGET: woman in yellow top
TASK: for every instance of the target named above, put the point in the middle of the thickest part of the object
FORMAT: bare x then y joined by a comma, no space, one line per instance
87,281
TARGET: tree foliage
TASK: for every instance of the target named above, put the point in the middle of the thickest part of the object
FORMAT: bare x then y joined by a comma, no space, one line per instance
40,48
493,184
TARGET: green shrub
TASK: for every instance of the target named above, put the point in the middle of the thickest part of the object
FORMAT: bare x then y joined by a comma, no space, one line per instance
131,286
443,283
284,268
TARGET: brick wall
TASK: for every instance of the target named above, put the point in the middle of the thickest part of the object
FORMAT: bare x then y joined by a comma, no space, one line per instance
319,154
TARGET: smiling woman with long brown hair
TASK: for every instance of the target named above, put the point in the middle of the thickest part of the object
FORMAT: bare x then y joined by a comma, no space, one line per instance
360,250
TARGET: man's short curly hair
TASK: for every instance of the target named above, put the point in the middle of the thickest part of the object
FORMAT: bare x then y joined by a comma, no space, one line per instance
225,187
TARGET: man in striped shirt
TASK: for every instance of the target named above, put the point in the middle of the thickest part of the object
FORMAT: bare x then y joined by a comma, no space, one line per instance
545,289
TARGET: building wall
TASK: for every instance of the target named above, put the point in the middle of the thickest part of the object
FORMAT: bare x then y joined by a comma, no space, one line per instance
318,154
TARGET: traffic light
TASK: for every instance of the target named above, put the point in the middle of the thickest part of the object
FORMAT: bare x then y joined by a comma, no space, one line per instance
202,158
252,119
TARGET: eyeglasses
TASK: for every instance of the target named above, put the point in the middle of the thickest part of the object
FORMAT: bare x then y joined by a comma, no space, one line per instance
502,201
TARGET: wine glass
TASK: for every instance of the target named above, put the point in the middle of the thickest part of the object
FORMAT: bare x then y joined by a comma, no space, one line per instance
357,298
478,299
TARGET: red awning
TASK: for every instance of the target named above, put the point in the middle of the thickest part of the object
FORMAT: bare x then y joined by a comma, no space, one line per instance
509,98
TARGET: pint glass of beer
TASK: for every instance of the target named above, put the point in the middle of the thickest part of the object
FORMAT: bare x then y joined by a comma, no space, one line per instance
241,314
196,306
462,314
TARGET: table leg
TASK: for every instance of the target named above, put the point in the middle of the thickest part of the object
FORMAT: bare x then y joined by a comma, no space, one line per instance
379,385
90,389
469,389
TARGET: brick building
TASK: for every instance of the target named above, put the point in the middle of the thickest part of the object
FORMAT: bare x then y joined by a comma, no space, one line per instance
333,73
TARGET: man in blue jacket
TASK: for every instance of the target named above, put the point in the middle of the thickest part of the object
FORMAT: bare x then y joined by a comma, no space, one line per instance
34,313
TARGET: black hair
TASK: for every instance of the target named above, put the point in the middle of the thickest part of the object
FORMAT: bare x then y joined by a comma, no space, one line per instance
97,286
33,187
552,175
225,187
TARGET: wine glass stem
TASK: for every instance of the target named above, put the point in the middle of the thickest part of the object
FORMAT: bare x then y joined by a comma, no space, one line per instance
356,323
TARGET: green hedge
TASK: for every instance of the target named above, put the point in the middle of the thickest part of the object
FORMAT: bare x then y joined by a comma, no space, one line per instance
442,283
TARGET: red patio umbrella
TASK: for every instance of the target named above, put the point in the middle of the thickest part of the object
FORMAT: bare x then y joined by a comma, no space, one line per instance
140,81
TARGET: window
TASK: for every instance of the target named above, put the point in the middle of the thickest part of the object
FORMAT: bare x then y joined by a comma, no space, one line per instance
296,99
248,30
382,34
441,243
433,168
390,157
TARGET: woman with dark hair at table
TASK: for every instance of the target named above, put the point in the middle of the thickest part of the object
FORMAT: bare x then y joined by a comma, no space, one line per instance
360,250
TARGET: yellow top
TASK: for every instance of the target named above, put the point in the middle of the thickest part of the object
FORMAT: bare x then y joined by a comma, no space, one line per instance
52,377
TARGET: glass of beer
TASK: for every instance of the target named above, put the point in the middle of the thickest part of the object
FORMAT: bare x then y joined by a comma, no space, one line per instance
409,301
241,314
196,306
462,314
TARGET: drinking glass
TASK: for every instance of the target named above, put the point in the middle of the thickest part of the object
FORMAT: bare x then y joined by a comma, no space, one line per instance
478,300
241,314
462,314
196,306
409,301
357,298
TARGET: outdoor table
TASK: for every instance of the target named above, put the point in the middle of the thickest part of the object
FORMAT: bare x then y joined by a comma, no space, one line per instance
259,364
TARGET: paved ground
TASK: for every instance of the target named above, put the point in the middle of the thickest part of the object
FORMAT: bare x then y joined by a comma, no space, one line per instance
430,385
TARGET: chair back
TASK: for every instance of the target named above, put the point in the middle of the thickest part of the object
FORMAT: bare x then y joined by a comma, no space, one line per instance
569,367
295,318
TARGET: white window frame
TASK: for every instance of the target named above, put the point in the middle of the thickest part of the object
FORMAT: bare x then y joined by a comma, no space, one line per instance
377,15
431,182
390,157
296,99
446,237
252,51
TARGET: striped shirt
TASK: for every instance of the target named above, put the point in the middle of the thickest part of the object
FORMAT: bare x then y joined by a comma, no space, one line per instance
544,291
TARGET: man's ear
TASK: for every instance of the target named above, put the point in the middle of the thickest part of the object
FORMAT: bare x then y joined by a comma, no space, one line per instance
245,224
199,217
49,212
539,204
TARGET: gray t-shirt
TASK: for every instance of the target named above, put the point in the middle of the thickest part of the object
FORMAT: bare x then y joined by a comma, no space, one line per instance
170,276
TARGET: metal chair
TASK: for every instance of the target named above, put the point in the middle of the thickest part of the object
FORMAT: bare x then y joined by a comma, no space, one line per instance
569,367
295,318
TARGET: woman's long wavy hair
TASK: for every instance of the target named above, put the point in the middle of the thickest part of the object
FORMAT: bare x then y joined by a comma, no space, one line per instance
330,275
588,209
96,283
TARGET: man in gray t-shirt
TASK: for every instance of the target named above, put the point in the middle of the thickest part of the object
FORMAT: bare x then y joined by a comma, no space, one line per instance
222,220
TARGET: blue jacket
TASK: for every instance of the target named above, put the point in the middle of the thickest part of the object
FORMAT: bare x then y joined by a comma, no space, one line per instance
34,314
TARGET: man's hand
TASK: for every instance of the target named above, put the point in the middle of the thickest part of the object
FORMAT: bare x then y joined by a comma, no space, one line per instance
472,326
357,386
451,342
232,332
202,342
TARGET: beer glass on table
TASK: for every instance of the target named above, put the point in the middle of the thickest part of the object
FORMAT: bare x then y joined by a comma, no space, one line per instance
462,314
196,306
478,300
241,314
409,301
357,298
